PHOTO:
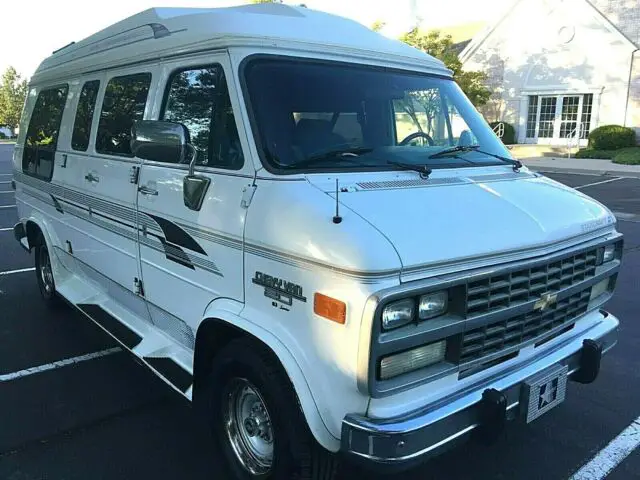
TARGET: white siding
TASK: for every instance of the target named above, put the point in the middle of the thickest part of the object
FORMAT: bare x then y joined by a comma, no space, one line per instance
556,46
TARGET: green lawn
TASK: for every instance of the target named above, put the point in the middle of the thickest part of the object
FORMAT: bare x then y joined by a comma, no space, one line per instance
629,156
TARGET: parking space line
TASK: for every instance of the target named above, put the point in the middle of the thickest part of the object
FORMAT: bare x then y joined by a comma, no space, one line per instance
6,229
6,174
5,183
7,191
599,183
7,206
20,270
61,363
611,455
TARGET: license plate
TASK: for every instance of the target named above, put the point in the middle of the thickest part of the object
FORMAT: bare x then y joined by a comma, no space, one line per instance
544,391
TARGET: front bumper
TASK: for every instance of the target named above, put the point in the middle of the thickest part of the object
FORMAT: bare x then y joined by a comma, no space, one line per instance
484,407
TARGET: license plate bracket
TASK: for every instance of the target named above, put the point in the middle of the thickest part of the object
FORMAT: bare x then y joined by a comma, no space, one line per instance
544,391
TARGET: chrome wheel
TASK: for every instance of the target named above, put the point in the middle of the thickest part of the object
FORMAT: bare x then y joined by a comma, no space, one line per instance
45,272
248,426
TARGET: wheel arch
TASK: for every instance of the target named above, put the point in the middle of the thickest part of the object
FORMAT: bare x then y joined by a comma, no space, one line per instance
217,329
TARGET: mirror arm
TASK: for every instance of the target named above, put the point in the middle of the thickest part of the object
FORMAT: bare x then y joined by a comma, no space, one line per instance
194,159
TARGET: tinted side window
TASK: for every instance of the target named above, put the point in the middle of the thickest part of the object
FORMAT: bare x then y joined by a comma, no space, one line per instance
199,99
42,134
84,115
123,104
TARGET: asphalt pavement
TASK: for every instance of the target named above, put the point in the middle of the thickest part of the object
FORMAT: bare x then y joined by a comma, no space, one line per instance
108,418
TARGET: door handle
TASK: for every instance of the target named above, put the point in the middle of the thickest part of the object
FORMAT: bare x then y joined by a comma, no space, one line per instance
90,177
147,191
64,161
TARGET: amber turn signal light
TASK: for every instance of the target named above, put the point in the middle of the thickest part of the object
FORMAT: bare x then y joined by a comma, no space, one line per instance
330,308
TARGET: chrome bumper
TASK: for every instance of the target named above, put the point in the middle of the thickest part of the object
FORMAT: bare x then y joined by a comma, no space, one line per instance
400,442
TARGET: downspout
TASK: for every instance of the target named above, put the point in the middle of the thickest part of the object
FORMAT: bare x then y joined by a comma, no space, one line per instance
626,107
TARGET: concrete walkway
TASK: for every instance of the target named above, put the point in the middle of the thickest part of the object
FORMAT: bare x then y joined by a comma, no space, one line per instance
581,165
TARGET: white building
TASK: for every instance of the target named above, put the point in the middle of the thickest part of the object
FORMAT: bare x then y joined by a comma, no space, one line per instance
561,67
5,131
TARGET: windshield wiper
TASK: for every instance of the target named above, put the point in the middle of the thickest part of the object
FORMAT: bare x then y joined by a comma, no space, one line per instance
453,150
516,164
423,170
344,154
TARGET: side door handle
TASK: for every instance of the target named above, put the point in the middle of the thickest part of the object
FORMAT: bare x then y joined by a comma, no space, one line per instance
90,177
64,161
144,190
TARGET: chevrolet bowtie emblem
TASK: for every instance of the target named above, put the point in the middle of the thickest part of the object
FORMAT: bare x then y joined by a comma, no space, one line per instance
545,301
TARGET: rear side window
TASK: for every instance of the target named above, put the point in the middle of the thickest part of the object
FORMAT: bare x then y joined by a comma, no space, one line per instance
84,115
124,102
42,134
199,99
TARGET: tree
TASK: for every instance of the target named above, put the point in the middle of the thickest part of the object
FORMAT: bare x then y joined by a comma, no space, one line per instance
442,47
13,91
378,25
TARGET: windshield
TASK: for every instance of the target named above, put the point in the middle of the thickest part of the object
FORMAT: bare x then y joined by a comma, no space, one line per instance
323,116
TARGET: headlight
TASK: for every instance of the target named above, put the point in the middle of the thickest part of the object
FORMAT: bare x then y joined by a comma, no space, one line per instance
411,360
432,304
609,253
397,314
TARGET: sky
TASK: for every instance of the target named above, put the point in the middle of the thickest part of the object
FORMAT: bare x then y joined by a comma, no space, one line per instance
34,28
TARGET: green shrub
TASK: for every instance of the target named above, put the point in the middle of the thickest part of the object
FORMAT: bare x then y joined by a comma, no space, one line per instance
590,153
2,136
612,137
509,137
629,156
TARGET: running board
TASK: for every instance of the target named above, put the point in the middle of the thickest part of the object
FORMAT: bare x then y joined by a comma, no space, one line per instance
119,330
145,348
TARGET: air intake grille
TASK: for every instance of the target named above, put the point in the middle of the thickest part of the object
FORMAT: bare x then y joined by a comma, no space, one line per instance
503,291
390,184
532,326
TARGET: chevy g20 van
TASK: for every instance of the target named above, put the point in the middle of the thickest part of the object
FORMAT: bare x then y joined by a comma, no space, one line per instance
308,230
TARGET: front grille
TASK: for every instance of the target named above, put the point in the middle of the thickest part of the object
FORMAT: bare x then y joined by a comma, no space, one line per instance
509,289
530,327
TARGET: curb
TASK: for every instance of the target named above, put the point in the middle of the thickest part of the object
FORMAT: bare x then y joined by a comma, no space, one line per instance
582,171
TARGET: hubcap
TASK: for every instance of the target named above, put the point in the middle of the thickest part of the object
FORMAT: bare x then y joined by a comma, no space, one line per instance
248,426
45,270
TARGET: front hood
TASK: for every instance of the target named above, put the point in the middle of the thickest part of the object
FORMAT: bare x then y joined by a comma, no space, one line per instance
470,219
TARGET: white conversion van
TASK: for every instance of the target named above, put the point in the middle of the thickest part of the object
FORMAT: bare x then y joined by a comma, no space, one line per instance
307,229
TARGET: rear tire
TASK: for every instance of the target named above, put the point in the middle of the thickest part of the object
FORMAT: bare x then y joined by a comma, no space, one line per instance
267,436
44,273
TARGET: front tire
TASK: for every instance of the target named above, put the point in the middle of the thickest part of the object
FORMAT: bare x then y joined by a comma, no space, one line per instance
256,418
44,273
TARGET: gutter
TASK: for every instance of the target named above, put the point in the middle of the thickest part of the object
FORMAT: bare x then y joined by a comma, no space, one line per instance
626,107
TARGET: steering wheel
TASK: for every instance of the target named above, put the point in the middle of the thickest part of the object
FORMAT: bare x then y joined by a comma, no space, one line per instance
415,135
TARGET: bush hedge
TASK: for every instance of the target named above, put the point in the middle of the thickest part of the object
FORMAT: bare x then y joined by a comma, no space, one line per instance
612,137
590,153
2,136
509,137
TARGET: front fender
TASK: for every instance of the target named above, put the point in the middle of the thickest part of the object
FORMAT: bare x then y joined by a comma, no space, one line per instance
229,311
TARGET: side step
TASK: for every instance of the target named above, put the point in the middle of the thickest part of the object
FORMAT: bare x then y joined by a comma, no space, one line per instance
154,350
120,331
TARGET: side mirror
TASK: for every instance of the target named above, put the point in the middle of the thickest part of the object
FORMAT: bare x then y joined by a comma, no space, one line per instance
160,141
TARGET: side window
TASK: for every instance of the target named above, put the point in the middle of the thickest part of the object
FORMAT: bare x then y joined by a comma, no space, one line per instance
124,101
42,134
199,99
84,115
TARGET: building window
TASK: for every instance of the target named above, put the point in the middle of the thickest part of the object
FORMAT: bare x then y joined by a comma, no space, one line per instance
124,102
199,99
569,116
84,115
42,134
587,108
547,117
532,115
